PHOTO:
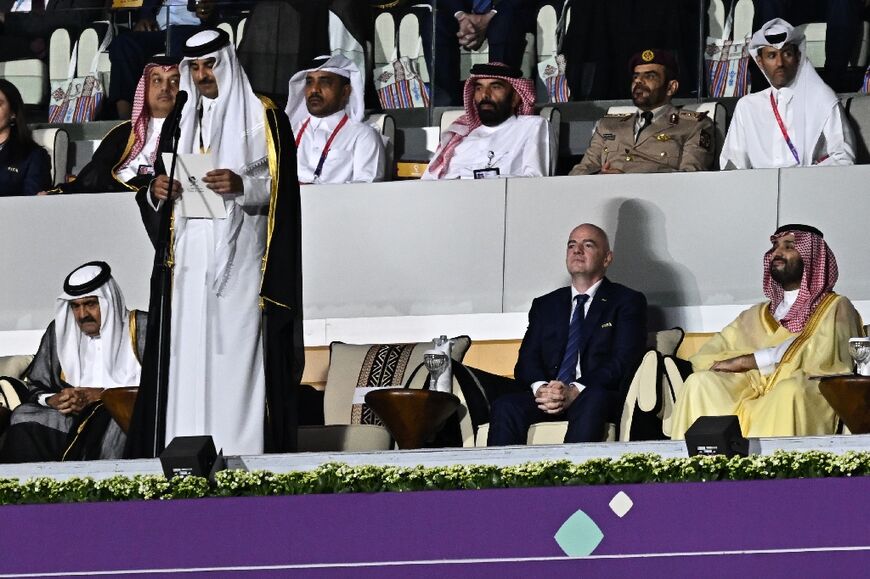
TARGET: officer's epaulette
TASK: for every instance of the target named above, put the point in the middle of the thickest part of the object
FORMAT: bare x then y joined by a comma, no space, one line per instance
693,115
618,115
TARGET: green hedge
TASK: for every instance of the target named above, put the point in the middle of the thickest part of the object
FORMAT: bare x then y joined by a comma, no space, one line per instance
341,478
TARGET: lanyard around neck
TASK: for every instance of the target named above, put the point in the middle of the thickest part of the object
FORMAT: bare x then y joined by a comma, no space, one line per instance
782,128
331,138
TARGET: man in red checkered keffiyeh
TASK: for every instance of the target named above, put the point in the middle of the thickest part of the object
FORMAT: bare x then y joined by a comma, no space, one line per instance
127,155
499,135
761,366
798,260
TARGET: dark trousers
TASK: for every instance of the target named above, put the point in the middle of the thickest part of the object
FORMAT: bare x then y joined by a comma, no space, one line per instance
512,415
129,53
844,21
505,36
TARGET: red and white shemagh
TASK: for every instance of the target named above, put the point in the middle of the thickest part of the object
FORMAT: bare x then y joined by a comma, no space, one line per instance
142,114
820,275
470,120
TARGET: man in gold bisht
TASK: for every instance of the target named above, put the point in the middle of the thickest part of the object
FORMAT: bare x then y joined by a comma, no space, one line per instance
759,366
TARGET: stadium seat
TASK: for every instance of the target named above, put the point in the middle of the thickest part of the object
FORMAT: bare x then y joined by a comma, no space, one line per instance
240,30
31,76
858,112
56,142
228,28
90,42
348,364
650,391
386,127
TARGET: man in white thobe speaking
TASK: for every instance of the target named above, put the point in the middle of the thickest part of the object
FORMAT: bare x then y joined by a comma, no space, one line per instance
797,121
216,373
326,107
499,135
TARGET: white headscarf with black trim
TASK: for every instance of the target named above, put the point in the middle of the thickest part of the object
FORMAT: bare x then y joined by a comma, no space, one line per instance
297,110
119,358
813,100
238,134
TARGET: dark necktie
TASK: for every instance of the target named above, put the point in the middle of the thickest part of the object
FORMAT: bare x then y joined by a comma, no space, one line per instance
647,117
568,368
482,6
37,6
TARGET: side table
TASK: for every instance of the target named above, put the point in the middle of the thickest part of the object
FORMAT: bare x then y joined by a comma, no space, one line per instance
849,396
412,416
120,402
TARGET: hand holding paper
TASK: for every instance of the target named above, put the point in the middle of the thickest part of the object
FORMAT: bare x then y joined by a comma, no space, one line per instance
197,200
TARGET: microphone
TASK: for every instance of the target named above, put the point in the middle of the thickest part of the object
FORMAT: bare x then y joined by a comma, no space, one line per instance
180,101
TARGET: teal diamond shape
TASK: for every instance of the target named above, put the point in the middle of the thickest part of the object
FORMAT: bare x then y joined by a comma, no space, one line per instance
579,535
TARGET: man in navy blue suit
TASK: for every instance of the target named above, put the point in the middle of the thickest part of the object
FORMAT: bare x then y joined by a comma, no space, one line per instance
581,344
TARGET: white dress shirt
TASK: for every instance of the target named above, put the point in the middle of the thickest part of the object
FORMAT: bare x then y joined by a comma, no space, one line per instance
574,293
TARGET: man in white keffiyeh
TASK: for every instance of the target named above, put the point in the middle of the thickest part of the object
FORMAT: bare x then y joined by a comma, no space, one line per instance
93,344
216,376
326,108
796,122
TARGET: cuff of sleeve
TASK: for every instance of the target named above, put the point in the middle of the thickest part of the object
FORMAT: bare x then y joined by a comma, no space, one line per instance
150,198
536,385
43,399
580,387
765,362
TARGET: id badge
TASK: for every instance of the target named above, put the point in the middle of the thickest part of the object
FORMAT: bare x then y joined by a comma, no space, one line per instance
488,173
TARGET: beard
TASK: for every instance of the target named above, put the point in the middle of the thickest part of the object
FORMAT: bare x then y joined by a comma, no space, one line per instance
790,273
496,115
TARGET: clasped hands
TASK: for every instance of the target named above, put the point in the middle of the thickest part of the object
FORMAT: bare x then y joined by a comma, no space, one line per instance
221,181
555,397
74,400
472,29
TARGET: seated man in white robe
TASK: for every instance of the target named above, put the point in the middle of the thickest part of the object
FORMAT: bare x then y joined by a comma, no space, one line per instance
94,343
760,367
499,135
796,122
326,108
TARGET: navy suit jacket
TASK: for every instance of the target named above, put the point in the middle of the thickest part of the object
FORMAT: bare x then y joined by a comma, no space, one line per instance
608,352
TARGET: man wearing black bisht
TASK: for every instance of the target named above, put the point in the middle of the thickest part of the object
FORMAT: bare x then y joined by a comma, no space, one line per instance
232,367
94,343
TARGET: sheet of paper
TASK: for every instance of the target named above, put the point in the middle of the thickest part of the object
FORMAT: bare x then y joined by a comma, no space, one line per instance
197,200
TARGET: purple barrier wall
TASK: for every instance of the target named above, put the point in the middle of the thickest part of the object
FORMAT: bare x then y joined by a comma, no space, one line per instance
816,527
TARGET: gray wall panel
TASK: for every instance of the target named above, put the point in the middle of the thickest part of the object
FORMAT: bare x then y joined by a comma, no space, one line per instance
403,248
686,239
44,238
837,201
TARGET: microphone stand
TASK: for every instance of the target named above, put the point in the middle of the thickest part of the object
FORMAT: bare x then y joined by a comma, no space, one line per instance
163,264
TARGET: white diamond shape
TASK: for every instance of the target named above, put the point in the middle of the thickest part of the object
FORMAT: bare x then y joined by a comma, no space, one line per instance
621,504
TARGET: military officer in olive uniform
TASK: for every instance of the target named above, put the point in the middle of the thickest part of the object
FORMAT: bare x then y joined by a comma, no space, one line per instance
659,137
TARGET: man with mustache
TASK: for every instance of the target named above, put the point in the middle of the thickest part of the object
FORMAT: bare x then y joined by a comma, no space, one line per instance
499,135
759,366
125,159
797,121
228,368
326,108
94,343
659,137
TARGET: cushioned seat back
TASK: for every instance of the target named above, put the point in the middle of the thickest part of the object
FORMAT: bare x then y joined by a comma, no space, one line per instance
56,142
355,367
